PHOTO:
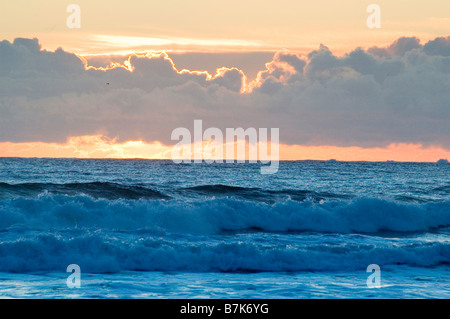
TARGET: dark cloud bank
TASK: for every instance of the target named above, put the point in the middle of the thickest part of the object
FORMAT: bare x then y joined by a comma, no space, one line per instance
373,97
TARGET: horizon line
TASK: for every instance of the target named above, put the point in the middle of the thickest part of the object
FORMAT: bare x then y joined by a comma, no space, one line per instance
331,160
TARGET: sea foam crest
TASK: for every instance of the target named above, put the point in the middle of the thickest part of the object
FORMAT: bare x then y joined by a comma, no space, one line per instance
360,215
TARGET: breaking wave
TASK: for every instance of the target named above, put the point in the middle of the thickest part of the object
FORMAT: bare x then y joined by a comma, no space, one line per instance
99,252
360,215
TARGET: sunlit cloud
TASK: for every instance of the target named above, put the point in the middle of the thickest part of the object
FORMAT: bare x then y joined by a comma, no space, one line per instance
246,86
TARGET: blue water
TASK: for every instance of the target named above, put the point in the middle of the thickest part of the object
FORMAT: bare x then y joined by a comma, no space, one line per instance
155,229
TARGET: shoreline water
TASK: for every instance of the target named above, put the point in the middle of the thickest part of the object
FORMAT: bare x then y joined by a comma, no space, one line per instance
397,282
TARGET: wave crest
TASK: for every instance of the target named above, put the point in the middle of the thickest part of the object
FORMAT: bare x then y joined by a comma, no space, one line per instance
361,215
100,253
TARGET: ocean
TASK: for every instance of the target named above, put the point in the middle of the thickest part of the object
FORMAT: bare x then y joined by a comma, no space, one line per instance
156,229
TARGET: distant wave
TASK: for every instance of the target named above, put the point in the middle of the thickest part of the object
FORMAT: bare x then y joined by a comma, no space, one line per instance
442,189
108,190
265,195
219,188
94,189
361,215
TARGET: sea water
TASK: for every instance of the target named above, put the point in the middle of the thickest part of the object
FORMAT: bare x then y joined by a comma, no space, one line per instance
156,229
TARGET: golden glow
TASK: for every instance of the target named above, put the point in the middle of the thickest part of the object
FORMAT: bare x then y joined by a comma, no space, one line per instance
120,42
90,146
98,146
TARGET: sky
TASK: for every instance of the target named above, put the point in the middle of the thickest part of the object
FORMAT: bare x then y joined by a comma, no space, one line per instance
133,71
109,26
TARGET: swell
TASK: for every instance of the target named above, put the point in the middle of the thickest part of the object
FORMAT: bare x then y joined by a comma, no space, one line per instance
443,190
95,189
113,191
109,190
266,195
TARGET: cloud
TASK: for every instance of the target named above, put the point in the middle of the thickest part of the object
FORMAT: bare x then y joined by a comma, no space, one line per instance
397,48
366,98
438,46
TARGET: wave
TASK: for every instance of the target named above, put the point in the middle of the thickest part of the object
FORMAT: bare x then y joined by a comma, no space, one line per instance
98,252
444,190
265,195
51,231
112,191
360,215
220,188
94,189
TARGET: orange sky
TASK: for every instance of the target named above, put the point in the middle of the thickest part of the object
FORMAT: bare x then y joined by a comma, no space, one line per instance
98,146
112,27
